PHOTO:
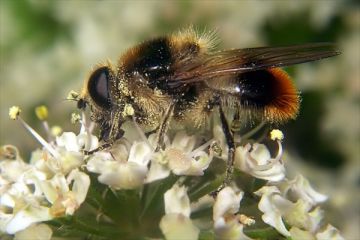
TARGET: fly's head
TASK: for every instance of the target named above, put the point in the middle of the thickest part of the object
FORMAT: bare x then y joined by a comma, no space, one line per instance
103,93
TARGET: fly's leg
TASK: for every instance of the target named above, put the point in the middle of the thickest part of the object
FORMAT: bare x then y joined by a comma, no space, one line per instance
109,134
100,148
231,148
231,152
163,127
108,143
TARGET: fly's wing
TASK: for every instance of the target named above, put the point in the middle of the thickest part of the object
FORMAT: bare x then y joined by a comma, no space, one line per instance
222,63
252,76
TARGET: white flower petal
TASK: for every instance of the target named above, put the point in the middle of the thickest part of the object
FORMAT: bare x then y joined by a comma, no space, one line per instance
119,152
297,215
5,218
226,224
301,188
123,175
179,162
330,233
54,187
42,163
275,221
14,192
267,190
315,218
183,142
276,208
80,186
27,216
177,226
199,163
35,178
241,157
260,153
68,204
35,232
227,202
229,230
140,153
157,171
273,205
274,174
12,170
68,140
89,142
177,200
70,160
99,162
298,234
256,160
180,158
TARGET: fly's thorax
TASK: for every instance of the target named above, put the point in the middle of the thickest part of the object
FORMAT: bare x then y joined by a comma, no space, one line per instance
147,104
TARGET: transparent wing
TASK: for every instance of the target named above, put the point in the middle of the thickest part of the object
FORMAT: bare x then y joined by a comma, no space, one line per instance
210,66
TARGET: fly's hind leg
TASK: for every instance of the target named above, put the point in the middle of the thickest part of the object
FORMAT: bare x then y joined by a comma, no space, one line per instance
231,148
163,127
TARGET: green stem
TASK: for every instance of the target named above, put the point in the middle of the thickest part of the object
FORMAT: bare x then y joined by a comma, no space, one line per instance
252,131
92,228
264,233
207,188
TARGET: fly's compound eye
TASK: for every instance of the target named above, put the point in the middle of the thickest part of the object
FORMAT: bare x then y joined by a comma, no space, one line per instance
98,87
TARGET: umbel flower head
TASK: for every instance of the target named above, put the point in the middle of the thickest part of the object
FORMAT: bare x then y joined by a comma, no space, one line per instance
131,191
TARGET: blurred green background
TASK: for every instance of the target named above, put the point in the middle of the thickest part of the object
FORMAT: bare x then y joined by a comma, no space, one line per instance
48,47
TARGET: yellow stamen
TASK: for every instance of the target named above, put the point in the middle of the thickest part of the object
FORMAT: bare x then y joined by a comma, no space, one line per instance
42,112
14,112
56,130
276,134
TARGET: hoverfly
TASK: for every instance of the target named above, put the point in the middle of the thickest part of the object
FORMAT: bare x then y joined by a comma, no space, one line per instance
180,78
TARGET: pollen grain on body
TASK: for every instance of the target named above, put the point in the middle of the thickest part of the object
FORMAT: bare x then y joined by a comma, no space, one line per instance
128,110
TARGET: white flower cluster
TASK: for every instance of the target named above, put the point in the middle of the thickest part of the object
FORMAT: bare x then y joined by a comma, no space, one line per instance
45,188
283,202
295,203
176,224
131,165
254,159
56,182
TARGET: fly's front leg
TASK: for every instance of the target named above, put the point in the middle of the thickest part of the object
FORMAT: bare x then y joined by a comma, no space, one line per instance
108,143
100,148
163,127
109,133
